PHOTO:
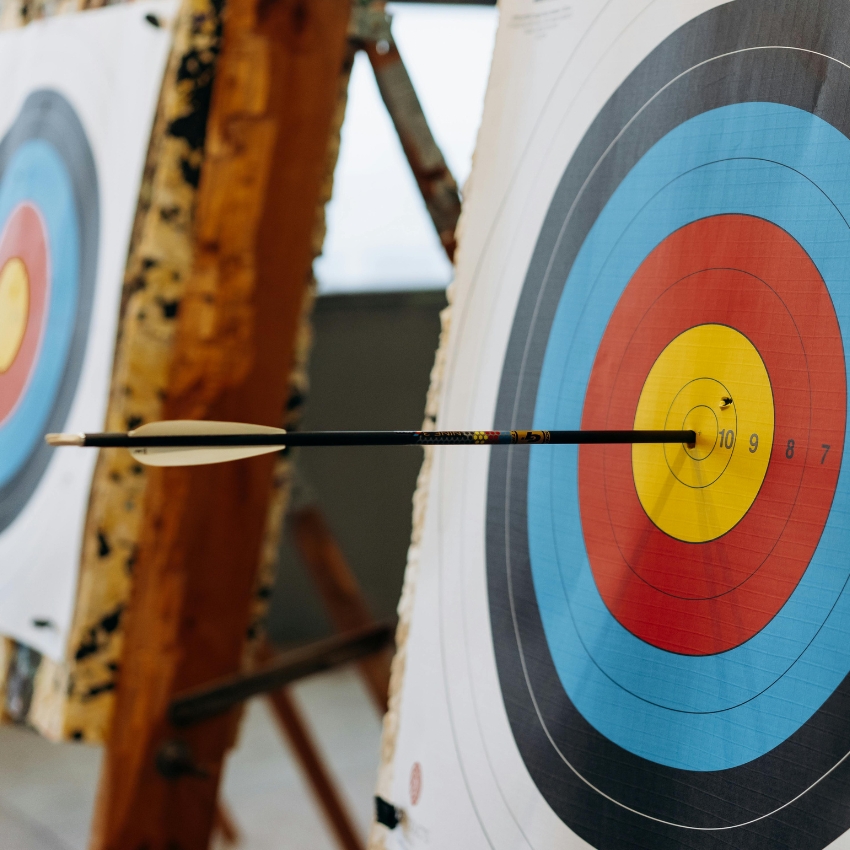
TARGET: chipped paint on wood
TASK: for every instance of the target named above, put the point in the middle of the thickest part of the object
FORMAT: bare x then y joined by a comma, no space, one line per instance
159,263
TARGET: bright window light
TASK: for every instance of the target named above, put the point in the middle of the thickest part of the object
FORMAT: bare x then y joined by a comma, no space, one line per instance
380,236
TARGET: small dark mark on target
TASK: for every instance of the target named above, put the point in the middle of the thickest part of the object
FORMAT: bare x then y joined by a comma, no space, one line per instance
170,309
103,547
96,690
153,20
133,422
110,622
87,647
43,624
191,173
295,401
77,735
98,636
387,814
134,285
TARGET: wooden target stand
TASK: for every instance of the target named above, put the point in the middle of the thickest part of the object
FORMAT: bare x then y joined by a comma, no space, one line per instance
176,563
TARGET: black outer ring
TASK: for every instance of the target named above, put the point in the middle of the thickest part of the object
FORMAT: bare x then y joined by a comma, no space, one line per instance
47,115
705,801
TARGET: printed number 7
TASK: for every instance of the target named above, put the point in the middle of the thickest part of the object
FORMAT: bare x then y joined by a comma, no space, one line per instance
825,447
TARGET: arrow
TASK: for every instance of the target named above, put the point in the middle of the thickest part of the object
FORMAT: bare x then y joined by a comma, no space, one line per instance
194,442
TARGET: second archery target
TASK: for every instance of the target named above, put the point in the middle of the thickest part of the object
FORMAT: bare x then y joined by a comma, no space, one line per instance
49,230
76,108
692,601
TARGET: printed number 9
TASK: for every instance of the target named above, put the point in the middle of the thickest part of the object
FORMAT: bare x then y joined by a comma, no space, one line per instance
754,443
789,450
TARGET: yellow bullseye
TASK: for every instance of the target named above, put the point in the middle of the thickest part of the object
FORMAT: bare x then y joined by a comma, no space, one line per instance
14,310
709,379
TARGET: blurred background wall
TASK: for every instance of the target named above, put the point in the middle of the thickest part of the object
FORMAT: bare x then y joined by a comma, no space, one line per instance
371,361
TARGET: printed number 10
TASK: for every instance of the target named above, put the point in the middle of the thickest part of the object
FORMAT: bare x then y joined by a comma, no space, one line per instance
727,438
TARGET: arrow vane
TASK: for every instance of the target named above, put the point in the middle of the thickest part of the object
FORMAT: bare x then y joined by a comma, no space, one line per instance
191,442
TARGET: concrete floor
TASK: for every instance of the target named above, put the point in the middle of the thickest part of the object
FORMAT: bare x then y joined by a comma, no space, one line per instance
47,790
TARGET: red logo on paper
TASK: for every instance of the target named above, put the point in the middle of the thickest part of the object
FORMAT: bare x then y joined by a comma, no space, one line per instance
415,783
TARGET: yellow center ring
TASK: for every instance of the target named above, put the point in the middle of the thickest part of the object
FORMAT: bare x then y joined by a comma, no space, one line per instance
709,379
14,310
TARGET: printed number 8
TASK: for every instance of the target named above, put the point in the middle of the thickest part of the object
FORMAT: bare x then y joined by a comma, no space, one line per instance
789,451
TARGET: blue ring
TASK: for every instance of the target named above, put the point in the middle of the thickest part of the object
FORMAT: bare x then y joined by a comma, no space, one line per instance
789,167
37,174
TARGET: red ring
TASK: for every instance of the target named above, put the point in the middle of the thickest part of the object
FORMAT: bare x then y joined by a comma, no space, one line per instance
24,237
699,599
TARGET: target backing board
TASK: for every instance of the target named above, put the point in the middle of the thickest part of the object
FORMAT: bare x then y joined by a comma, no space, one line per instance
648,646
76,108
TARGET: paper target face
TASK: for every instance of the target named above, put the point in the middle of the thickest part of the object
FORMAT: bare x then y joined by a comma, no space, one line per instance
671,624
49,225
76,109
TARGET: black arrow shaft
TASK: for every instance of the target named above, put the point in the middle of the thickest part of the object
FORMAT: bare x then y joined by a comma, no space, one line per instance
388,438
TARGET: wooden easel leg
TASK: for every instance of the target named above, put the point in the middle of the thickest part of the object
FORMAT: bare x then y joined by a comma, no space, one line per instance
436,184
292,725
339,590
225,825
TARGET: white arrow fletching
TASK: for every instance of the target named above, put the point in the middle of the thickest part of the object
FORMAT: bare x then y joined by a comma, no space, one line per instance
197,456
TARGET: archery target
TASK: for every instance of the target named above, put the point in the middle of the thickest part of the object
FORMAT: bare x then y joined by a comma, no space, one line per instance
692,601
49,210
668,625
75,115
